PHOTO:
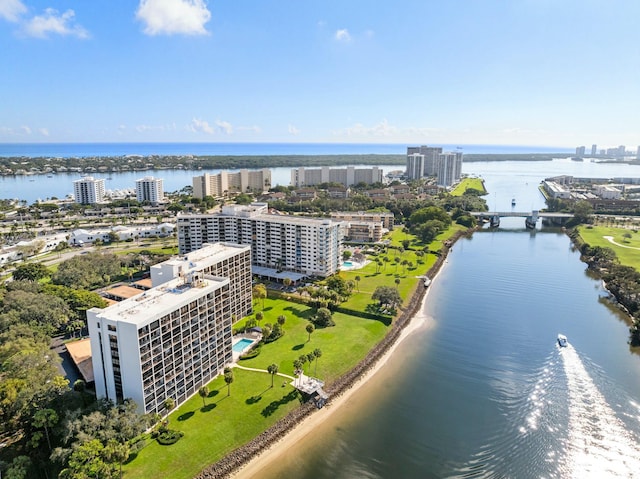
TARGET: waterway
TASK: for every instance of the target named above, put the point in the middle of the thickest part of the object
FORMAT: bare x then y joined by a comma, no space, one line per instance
483,390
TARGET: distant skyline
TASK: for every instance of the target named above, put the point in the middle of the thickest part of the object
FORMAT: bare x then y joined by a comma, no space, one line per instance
520,72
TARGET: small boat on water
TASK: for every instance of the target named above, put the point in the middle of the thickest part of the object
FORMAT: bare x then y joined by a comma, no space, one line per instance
562,341
513,201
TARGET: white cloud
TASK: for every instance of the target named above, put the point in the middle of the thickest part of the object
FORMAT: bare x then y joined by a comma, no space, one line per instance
225,127
254,128
201,126
11,10
168,17
44,131
343,35
52,21
293,130
25,129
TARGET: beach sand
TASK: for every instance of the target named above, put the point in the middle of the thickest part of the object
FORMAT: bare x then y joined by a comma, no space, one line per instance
276,453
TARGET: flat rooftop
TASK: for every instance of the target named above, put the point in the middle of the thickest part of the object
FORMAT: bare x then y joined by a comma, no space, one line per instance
156,301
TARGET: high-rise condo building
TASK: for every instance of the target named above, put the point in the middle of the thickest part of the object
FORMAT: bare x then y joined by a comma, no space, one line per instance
226,182
594,150
346,176
580,151
415,166
149,189
279,243
88,190
430,154
168,341
448,168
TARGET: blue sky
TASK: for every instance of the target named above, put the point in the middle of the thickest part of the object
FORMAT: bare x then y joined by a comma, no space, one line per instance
521,72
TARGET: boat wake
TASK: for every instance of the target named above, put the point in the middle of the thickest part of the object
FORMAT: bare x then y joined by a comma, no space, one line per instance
598,444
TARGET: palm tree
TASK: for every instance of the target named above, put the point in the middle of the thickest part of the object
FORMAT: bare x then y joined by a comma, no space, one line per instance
317,353
281,319
303,360
203,392
310,329
259,316
228,378
287,282
297,367
357,279
397,281
169,404
386,260
273,370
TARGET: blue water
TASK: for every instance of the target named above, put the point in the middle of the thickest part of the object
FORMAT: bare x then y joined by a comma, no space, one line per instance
241,345
81,150
347,263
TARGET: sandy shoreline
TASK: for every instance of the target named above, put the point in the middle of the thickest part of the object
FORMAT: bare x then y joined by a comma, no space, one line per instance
273,453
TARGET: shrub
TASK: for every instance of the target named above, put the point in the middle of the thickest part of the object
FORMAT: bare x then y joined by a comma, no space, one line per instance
169,437
252,353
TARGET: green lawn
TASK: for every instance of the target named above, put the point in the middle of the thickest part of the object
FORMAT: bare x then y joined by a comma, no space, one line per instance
465,183
213,431
626,253
253,406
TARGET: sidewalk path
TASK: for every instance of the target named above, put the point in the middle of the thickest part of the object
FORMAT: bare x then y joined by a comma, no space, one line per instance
610,240
262,371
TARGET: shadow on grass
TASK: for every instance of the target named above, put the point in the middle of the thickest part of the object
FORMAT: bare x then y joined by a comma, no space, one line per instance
253,399
208,407
298,347
131,457
185,416
299,312
213,393
268,308
274,405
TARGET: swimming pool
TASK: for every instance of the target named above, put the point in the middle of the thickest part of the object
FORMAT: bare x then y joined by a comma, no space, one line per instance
347,263
241,345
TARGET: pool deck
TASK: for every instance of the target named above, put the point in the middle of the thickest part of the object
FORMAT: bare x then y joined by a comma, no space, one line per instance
253,337
354,265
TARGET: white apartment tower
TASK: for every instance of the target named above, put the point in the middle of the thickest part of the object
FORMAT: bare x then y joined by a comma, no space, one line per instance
225,182
430,154
149,189
415,166
448,168
88,190
306,246
346,176
168,341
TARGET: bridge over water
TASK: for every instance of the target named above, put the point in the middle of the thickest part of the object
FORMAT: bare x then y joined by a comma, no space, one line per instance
532,216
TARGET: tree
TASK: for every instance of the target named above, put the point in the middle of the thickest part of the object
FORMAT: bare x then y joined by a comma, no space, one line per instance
80,387
317,353
273,370
169,404
203,392
228,378
260,292
310,329
116,452
386,295
259,316
46,419
30,272
303,360
297,367
324,317
397,281
87,461
287,282
346,255
357,280
281,319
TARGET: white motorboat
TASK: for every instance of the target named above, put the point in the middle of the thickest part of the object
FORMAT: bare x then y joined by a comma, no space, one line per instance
562,341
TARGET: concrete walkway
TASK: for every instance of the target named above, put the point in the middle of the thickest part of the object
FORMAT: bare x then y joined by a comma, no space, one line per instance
262,371
610,240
